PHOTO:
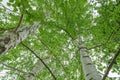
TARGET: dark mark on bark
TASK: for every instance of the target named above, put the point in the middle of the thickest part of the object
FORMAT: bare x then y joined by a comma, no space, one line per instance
1,40
86,56
6,40
91,79
2,49
88,74
89,64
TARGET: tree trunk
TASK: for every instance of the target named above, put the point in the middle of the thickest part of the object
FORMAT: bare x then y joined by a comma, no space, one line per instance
37,68
9,40
90,72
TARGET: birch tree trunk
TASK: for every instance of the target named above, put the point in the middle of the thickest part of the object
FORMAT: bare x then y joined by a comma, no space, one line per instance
90,72
9,40
37,68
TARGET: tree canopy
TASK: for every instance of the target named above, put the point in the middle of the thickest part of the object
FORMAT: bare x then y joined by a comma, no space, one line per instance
51,51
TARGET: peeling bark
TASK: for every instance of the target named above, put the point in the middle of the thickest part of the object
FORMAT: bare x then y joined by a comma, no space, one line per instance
9,40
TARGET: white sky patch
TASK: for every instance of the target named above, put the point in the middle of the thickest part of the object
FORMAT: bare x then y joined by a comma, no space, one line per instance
33,7
111,74
70,47
69,40
71,56
62,31
98,5
66,62
95,13
62,73
4,3
103,64
3,72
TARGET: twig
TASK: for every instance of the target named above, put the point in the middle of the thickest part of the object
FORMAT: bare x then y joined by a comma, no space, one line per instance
8,9
65,30
102,44
5,7
111,64
50,51
3,29
15,69
21,17
40,60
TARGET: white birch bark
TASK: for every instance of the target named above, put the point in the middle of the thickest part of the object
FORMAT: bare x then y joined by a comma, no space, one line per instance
37,68
9,40
90,71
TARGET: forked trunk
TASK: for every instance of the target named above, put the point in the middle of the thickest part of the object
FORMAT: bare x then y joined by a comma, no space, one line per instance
9,40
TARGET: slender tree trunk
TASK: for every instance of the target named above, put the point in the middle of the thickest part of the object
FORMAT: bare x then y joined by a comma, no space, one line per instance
9,40
37,68
90,72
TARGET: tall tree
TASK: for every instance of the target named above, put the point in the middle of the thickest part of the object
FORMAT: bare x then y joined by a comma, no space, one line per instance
89,69
56,25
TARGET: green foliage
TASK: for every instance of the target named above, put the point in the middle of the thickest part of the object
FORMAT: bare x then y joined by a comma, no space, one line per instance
61,22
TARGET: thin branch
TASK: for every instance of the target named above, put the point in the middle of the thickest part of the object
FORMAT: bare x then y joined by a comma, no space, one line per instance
57,59
65,30
6,7
35,70
42,42
9,9
40,60
112,33
3,29
106,42
50,51
107,76
19,23
15,69
111,64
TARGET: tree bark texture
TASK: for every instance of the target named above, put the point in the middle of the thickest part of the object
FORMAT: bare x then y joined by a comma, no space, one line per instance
89,69
10,40
37,68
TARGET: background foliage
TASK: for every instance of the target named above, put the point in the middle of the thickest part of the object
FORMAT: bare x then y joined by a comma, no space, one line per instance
61,22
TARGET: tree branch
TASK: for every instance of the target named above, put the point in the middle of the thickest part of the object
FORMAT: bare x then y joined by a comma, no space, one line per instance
8,8
40,60
102,44
51,52
3,29
19,23
111,64
15,69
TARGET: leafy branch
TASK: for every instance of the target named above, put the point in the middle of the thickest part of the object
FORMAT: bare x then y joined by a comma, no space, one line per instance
51,52
102,44
8,8
40,60
4,29
15,69
19,23
111,64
